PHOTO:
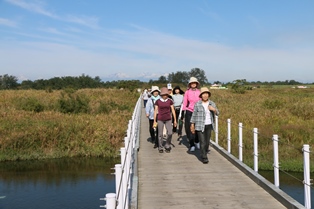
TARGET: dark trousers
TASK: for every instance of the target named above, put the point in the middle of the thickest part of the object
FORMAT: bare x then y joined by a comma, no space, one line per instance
204,138
152,132
145,102
179,126
193,138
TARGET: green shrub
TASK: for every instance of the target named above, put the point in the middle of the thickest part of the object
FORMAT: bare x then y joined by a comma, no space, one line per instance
272,104
29,104
107,106
72,103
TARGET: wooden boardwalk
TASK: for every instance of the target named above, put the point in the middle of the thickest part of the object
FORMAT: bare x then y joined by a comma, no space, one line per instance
179,180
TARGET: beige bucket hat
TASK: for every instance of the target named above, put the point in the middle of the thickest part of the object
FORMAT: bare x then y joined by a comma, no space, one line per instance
205,90
155,88
194,80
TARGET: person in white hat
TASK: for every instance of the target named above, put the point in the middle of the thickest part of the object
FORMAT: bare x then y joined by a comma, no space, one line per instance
145,96
149,109
203,121
164,108
191,96
169,87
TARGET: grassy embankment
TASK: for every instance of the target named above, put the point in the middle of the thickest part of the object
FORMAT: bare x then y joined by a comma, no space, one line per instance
36,125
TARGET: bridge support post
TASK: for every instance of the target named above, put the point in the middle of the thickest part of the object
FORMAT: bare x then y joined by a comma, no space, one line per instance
240,142
216,129
119,186
124,177
229,135
110,201
255,149
276,160
307,180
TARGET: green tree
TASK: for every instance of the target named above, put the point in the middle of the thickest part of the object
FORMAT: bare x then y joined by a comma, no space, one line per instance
178,77
162,79
27,84
8,82
199,74
238,86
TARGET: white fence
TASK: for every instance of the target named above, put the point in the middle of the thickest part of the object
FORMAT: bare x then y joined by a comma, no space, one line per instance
126,172
306,157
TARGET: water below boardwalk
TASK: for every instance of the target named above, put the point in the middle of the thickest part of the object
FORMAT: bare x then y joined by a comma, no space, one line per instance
290,183
80,183
61,183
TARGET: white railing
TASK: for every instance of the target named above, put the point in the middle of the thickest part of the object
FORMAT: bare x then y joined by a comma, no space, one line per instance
125,173
306,157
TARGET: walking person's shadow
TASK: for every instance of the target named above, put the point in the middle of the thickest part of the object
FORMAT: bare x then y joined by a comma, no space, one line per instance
185,142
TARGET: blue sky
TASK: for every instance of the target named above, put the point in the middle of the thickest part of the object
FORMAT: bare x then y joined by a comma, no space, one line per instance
266,40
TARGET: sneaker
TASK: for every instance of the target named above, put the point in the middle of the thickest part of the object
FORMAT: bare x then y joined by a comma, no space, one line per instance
205,161
155,146
197,145
192,149
167,150
161,151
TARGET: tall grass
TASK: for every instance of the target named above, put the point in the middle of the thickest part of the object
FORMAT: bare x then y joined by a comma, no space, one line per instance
286,112
92,122
39,124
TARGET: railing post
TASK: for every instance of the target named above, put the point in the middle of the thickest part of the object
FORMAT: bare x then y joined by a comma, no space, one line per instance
128,147
110,201
240,142
276,160
307,180
229,135
129,128
255,150
123,178
119,188
216,129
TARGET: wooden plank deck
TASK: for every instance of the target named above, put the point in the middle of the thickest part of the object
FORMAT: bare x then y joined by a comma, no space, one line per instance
179,180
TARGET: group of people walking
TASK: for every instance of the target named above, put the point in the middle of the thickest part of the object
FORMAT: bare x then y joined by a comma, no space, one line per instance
168,109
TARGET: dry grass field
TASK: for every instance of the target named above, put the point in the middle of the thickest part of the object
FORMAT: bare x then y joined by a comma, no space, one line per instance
39,124
92,122
286,112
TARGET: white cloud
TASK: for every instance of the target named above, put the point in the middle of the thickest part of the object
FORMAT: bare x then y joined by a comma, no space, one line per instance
40,8
36,7
7,22
91,22
147,54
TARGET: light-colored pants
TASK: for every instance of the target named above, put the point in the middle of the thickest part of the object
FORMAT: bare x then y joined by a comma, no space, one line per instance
168,125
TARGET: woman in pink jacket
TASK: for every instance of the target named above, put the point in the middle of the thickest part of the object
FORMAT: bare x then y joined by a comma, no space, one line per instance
191,96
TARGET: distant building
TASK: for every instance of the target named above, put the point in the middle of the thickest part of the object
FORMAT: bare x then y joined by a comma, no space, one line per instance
217,86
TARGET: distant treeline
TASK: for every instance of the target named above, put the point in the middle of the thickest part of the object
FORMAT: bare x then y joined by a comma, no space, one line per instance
56,83
85,81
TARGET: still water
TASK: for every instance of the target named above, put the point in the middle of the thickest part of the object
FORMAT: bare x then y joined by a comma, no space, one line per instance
80,182
290,183
60,183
